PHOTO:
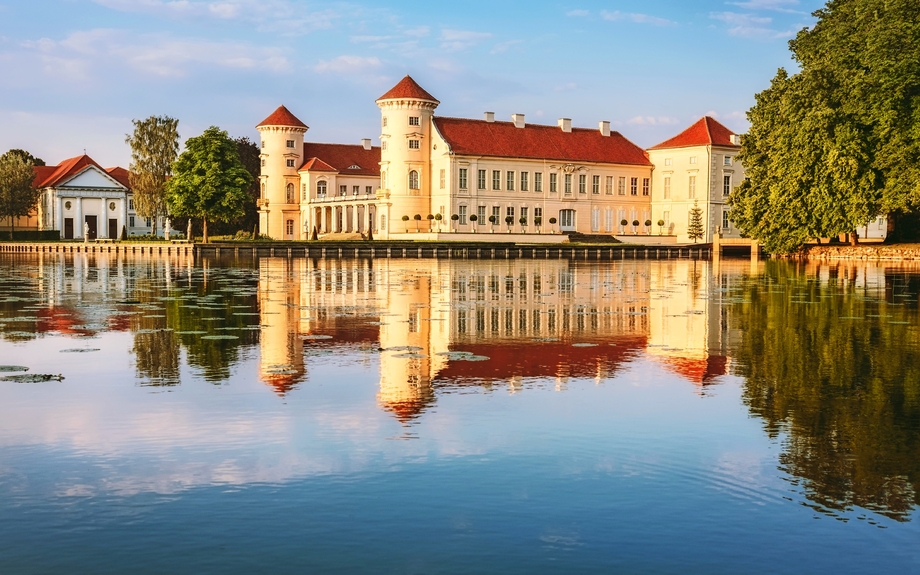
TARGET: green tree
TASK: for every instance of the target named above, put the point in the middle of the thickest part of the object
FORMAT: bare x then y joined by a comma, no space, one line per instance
695,228
17,196
836,144
209,181
154,147
27,156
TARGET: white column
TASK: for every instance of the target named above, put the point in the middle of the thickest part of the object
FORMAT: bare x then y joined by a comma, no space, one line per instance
355,222
78,221
59,216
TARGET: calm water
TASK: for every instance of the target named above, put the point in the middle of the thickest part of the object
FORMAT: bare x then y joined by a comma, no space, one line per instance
418,416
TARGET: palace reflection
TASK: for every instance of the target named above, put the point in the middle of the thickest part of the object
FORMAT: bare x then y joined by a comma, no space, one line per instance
529,318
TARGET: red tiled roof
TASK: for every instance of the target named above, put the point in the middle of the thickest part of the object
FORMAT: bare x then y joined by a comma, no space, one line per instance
408,88
341,157
698,371
281,117
50,176
121,175
704,132
503,139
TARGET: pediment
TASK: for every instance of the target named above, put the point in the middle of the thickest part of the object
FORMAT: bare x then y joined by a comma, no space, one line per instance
92,177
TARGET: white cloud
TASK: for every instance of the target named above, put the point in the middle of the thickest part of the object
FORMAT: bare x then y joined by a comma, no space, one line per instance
616,16
456,40
504,46
777,5
567,87
652,121
750,26
420,32
577,13
347,64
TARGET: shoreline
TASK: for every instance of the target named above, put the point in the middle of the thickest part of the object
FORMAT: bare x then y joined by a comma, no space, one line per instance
863,252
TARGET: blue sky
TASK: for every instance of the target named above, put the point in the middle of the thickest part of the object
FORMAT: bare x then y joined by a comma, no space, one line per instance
73,73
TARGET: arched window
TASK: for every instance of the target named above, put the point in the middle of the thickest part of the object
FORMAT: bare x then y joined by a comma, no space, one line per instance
413,180
263,189
290,193
321,188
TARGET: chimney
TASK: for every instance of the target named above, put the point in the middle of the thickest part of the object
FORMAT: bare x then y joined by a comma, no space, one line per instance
565,124
366,142
605,128
736,139
518,120
490,117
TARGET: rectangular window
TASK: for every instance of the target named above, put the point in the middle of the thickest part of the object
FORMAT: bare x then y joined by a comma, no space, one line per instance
384,121
443,178
289,227
130,204
538,181
582,184
553,183
667,161
263,144
413,144
608,186
568,184
645,186
289,143
368,190
464,176
509,212
481,214
355,190
496,213
343,190
130,221
692,187
537,213
524,181
693,159
496,180
667,187
509,182
290,163
621,186
462,215
726,225
481,180
413,120
596,185
633,186
726,184
524,213
727,161
596,220
149,222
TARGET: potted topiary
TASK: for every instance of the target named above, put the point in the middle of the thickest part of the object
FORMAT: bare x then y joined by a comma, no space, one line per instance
438,218
635,227
552,222
493,219
648,227
523,221
406,219
473,219
623,223
537,221
509,220
417,218
430,218
660,226
454,219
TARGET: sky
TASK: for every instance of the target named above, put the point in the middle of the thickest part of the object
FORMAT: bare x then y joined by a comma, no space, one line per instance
74,73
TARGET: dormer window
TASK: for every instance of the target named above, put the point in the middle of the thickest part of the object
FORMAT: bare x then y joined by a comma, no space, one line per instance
414,120
290,143
354,167
413,145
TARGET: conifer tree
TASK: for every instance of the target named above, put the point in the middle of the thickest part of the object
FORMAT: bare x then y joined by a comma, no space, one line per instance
695,229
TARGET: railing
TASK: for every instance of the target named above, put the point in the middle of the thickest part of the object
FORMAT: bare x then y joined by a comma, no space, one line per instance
345,198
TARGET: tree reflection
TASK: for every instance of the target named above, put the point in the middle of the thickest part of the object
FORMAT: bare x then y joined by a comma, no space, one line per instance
826,363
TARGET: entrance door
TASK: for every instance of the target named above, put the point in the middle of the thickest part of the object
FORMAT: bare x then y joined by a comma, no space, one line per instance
113,228
567,220
91,222
68,228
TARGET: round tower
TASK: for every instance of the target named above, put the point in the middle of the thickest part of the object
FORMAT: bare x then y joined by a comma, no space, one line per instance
405,155
282,156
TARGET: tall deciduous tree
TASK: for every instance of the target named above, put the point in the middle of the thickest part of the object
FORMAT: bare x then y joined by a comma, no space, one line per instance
249,156
209,180
27,156
838,143
154,147
17,196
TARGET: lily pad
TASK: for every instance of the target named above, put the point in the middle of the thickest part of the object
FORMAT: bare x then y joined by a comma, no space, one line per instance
220,337
315,337
584,345
32,378
411,355
80,350
8,368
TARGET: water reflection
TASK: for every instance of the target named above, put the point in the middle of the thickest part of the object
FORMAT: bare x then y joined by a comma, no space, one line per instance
829,354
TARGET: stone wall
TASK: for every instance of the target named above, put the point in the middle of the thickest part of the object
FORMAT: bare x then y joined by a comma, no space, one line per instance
897,252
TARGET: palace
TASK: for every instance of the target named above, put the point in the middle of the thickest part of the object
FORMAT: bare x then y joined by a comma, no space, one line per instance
446,178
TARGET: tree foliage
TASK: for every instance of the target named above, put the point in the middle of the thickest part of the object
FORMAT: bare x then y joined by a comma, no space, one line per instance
695,227
17,196
209,180
154,147
27,156
838,143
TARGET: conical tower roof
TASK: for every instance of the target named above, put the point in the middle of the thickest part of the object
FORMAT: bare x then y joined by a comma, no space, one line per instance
281,117
408,88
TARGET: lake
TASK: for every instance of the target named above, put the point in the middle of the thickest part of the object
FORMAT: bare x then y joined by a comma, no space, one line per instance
457,416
